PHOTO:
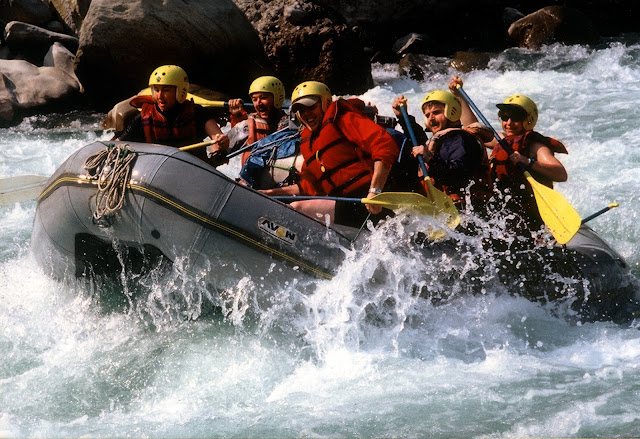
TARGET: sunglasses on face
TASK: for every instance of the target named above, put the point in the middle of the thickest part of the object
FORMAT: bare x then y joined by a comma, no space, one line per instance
514,117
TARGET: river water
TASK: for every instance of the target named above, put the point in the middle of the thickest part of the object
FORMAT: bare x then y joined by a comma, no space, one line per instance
491,365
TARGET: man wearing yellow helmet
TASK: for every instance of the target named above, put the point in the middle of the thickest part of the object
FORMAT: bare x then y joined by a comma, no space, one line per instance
167,117
267,95
455,157
345,154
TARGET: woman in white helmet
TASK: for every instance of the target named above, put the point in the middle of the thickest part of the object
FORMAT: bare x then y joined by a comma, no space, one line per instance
168,118
345,154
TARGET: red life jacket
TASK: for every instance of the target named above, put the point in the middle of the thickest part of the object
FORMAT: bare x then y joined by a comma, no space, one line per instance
503,169
157,129
333,165
482,187
258,129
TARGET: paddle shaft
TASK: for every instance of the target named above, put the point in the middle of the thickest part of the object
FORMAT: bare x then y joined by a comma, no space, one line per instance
412,135
196,145
225,104
600,212
312,197
486,123
251,145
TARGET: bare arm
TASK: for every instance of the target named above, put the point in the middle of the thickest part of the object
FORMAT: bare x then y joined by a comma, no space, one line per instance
293,189
215,133
378,180
545,163
467,117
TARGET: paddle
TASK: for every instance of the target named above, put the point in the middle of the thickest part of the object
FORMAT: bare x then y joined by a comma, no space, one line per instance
29,187
21,188
412,201
196,145
560,217
600,212
441,203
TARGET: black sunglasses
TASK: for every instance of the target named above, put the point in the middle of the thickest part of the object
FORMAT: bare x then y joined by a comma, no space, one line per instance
514,117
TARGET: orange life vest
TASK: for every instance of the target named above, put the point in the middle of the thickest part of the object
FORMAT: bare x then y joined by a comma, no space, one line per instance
333,165
158,129
503,169
258,129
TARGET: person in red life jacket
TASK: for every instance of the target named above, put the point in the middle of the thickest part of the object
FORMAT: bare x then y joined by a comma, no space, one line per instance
346,154
168,118
518,115
267,94
456,158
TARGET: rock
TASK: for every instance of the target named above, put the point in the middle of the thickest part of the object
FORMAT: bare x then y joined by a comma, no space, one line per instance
511,15
23,35
28,11
553,24
27,89
72,12
411,65
5,52
59,56
299,14
413,43
417,66
452,24
304,41
122,41
467,61
55,26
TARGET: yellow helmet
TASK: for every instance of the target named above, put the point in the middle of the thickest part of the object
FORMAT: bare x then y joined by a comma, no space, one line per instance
269,84
522,103
171,75
310,89
452,106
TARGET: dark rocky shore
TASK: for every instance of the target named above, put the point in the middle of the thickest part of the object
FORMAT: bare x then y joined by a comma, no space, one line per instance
57,55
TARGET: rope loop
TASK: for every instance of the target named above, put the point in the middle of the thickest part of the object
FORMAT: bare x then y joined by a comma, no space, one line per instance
112,168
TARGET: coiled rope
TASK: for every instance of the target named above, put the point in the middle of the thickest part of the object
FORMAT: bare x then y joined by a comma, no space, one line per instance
112,168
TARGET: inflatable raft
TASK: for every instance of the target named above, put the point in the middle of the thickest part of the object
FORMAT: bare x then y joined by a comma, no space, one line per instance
168,205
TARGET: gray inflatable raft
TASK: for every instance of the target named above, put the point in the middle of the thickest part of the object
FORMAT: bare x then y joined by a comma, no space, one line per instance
178,208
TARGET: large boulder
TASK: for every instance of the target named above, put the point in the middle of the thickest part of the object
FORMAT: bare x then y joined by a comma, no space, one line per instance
304,41
60,57
19,35
29,11
30,42
452,25
553,24
26,89
122,41
72,12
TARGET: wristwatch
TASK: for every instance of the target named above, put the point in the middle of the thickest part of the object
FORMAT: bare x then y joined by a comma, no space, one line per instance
375,190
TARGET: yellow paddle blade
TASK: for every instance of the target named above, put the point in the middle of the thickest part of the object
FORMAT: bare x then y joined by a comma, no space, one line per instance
434,205
444,204
560,217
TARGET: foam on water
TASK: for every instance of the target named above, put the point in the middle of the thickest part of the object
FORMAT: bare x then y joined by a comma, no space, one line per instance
356,356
